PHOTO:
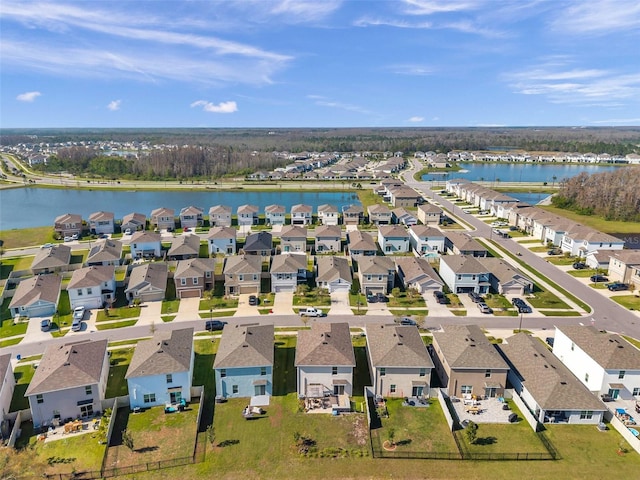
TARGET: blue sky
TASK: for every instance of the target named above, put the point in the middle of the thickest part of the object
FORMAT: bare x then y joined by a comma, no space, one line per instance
329,63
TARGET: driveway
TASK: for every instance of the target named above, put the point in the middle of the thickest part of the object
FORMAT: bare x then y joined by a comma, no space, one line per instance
189,309
244,309
378,308
340,304
150,313
436,309
282,304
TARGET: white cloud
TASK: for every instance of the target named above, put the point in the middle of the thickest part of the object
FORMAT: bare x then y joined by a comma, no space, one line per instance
114,105
430,7
304,11
222,107
28,96
411,69
416,119
601,17
620,121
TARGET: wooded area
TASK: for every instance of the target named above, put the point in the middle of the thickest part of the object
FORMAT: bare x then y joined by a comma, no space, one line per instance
613,195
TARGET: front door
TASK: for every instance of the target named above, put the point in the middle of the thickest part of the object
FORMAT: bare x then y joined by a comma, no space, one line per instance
260,389
175,397
417,391
614,392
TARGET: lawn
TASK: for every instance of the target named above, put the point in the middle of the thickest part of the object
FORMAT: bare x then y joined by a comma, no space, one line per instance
545,299
312,299
503,438
23,375
119,361
27,237
7,326
408,301
14,264
170,306
119,324
630,302
599,223
559,313
119,313
218,302
561,260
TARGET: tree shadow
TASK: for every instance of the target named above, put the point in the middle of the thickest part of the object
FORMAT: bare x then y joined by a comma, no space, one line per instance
486,441
404,442
146,449
228,443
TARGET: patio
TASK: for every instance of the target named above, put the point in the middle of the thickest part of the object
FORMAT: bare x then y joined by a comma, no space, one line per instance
329,404
488,410
70,429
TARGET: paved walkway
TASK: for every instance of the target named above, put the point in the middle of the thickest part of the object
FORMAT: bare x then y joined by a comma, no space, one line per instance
244,309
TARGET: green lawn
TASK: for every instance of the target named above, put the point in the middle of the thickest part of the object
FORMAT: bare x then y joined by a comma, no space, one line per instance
584,273
632,341
218,302
16,264
312,299
404,300
23,375
119,361
8,329
27,237
599,223
170,306
119,313
503,438
79,256
561,260
630,302
545,299
119,324
559,313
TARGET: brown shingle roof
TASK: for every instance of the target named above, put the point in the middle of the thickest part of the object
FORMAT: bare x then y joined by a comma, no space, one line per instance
54,257
166,352
464,264
287,263
91,276
40,287
609,350
245,346
222,232
397,346
194,267
106,251
465,346
243,264
326,344
328,231
332,268
185,245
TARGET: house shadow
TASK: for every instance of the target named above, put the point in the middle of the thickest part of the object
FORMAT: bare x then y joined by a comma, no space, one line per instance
284,370
121,421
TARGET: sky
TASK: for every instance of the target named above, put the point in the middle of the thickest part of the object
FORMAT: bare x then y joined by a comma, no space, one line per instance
320,63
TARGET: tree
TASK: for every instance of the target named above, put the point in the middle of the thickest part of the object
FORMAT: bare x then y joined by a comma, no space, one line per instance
471,432
302,289
395,292
391,436
127,439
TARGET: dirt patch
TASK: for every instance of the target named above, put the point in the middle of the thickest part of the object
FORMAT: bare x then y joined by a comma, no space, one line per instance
275,415
360,430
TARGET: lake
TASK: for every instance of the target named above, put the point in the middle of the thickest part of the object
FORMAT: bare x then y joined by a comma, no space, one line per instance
519,172
36,207
528,197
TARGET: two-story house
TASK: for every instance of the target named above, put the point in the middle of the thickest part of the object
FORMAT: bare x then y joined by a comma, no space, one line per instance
464,274
192,277
51,260
581,241
379,214
220,216
328,214
184,247
426,241
145,244
333,273
287,271
301,214
505,279
7,385
393,239
108,252
191,217
68,224
376,274
275,214
352,214
399,362
328,239
133,222
624,266
242,274
247,215
101,222
92,287
361,244
401,216
404,196
36,296
244,363
147,282
418,274
430,214
161,369
457,243
163,219
293,239
259,243
222,240
70,382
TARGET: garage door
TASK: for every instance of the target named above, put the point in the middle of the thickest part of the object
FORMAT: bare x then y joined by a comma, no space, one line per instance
283,288
190,293
248,289
340,287
512,290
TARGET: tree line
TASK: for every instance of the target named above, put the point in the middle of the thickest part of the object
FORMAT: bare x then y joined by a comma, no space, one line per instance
613,195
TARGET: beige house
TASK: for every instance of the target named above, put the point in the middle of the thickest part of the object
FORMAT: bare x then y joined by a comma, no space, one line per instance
191,217
379,214
101,222
184,246
51,260
293,239
624,266
163,219
242,274
399,362
467,363
361,244
192,277
68,224
352,214
328,239
148,282
133,222
333,273
36,296
376,274
220,216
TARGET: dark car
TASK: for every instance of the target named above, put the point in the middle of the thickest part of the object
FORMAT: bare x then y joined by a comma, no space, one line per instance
475,297
554,251
617,286
372,298
381,297
598,278
407,321
524,308
440,297
515,301
214,325
253,300
579,265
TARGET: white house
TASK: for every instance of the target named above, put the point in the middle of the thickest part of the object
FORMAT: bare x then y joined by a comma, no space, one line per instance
101,222
417,273
161,369
581,240
328,239
287,270
301,214
7,385
464,274
605,362
328,214
145,244
393,239
274,214
426,241
220,216
222,240
92,287
247,215
399,362
333,273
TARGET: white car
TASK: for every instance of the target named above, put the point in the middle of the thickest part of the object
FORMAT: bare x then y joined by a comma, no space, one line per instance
78,313
68,239
47,245
127,231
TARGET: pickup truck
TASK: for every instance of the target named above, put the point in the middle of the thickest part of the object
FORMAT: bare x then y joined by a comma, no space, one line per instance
311,312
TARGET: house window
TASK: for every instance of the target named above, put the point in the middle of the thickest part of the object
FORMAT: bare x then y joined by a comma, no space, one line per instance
149,398
223,372
255,277
586,415
240,278
392,388
423,372
263,371
459,277
79,292
387,248
621,374
89,291
39,399
572,346
466,389
334,370
234,389
636,392
383,372
586,377
169,378
487,374
195,280
87,390
207,274
379,278
183,281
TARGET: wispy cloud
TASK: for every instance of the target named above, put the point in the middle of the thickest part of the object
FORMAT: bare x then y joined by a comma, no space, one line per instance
222,107
416,119
411,69
601,17
28,96
303,10
430,7
325,102
618,121
114,105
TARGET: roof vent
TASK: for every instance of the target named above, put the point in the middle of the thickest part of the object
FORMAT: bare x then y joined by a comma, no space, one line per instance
325,343
546,366
563,383
160,351
620,346
400,343
244,345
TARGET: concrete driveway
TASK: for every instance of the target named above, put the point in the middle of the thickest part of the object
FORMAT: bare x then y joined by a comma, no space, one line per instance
189,309
340,303
435,308
282,304
150,313
244,309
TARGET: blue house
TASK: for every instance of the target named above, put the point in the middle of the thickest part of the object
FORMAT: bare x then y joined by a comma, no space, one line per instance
244,362
161,369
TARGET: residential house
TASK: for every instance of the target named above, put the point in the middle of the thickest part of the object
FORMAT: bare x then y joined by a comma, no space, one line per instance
457,243
399,362
580,241
247,215
68,224
51,260
101,222
430,214
7,385
505,279
92,287
145,244
379,214
220,216
467,363
328,239
36,296
426,241
163,219
624,266
550,391
260,243
244,362
133,222
464,274
191,217
404,196
393,239
376,274
192,277
361,244
108,252
328,214
70,382
418,274
287,271
604,362
222,240
352,214
161,369
293,239
275,214
333,273
401,216
325,361
301,214
242,274
184,247
147,282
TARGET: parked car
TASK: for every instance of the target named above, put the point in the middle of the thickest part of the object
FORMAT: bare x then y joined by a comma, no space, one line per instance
372,298
475,297
74,236
382,297
407,321
103,235
311,312
617,286
515,301
76,326
253,300
524,308
78,313
579,265
127,231
45,325
440,297
484,308
47,245
214,325
68,239
598,278
554,251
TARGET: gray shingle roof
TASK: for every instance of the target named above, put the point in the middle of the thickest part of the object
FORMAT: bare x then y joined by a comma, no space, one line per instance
361,241
107,251
166,352
98,216
5,364
54,257
257,242
288,263
69,366
430,208
243,264
185,245
194,267
428,232
503,271
222,232
464,264
301,208
219,210
397,346
464,242
393,231
326,344
327,208
331,231
163,212
465,346
376,265
40,287
331,268
275,209
245,346
91,276
154,274
253,209
293,231
138,218
550,383
145,237
609,350
416,269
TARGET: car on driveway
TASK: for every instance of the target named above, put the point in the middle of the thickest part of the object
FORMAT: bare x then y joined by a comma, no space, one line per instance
617,286
45,325
78,313
47,245
598,278
76,326
475,297
579,265
214,325
484,308
440,297
408,321
253,300
554,251
382,297
372,298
